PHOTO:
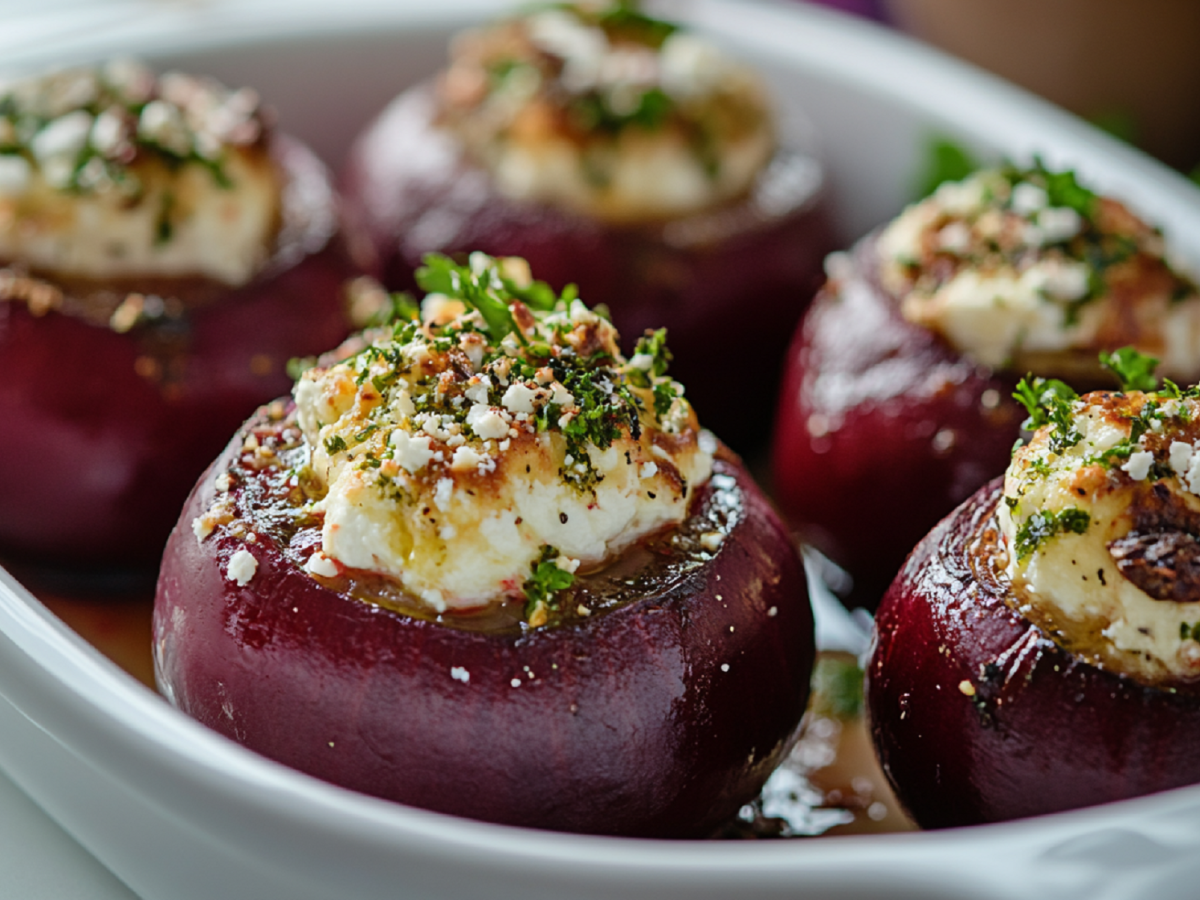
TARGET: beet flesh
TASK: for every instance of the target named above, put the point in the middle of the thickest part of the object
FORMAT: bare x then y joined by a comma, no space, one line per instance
730,282
882,429
659,716
107,431
978,717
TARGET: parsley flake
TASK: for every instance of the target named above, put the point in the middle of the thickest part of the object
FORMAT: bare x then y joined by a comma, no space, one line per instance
1134,370
1044,525
545,582
1049,402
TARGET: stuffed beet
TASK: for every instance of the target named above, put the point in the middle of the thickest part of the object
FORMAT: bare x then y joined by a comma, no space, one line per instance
620,152
896,404
487,566
1039,651
162,255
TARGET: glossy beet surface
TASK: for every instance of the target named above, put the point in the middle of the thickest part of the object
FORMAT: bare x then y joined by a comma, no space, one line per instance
978,717
105,432
729,285
882,429
658,716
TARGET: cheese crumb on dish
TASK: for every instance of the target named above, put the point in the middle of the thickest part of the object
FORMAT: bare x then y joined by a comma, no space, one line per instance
1101,520
602,109
242,567
111,171
496,445
1027,269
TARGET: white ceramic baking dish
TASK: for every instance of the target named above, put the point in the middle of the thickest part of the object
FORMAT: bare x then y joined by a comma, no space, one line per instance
178,813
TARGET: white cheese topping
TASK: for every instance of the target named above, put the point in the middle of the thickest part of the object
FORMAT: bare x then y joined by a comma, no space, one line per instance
242,566
621,123
92,187
1016,268
423,492
1072,505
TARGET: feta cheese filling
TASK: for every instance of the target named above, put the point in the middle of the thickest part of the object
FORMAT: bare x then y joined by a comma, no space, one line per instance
114,172
604,110
1025,268
1101,518
463,452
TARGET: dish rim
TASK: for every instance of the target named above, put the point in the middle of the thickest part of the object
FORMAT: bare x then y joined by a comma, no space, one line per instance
63,685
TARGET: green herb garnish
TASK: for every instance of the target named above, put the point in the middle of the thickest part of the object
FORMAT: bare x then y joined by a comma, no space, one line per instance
1042,526
837,687
1049,401
947,160
1134,370
625,19
545,582
334,445
653,345
1062,188
483,287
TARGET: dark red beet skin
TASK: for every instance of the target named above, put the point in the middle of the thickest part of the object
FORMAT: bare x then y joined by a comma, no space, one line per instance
106,432
659,717
728,284
882,429
1042,731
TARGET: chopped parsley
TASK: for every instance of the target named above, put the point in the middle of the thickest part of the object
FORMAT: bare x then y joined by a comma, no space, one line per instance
946,160
624,19
483,286
334,445
121,114
1049,401
603,402
653,345
1043,525
545,582
1062,187
1134,370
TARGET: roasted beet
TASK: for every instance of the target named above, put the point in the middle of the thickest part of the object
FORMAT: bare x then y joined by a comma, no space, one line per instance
977,716
731,281
659,714
882,428
897,402
109,419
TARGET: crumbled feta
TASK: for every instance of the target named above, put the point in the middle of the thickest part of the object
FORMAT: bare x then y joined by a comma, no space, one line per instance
1011,281
464,458
1138,465
320,564
1180,458
486,422
1065,517
242,566
98,197
519,399
1059,224
1028,199
564,54
202,527
458,673
413,453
